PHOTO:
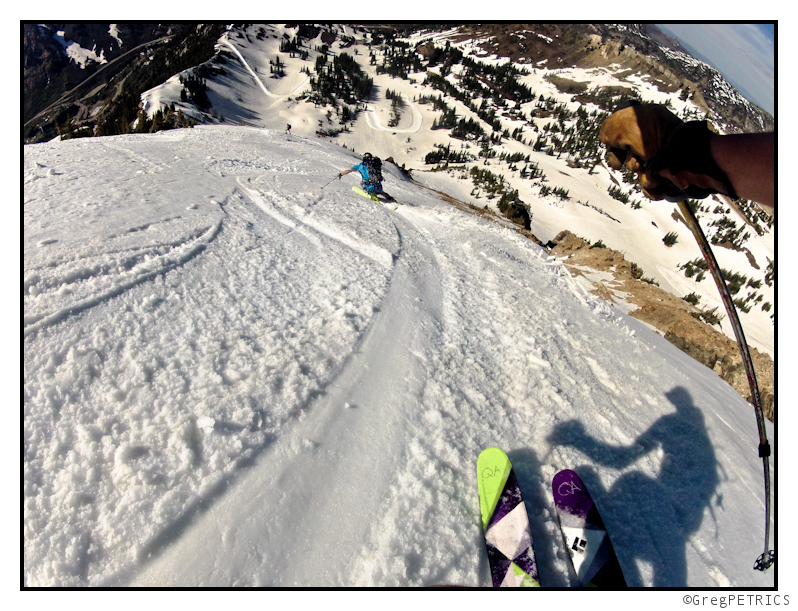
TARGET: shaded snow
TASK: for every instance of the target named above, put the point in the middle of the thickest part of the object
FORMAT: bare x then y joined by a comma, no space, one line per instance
113,32
236,377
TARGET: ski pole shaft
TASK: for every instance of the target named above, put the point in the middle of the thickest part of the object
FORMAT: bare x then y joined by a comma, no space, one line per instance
333,180
768,556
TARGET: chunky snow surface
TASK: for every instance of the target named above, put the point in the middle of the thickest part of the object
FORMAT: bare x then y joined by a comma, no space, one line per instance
236,377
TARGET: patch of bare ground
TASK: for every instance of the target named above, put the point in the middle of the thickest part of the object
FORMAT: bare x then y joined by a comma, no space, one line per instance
672,316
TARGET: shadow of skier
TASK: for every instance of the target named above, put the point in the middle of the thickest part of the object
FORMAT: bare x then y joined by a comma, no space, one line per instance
651,520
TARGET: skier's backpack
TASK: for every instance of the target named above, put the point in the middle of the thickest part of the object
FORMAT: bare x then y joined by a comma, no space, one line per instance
374,166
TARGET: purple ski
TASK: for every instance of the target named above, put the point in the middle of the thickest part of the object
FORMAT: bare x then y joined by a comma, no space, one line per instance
588,543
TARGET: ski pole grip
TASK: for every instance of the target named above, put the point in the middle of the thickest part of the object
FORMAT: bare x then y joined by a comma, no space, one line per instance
764,450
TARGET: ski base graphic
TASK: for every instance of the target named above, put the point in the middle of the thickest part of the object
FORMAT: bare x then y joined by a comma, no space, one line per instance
588,543
505,523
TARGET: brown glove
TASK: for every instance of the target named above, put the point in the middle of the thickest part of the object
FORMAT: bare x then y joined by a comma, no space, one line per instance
671,158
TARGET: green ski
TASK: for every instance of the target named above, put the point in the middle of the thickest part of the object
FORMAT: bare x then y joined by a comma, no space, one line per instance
505,523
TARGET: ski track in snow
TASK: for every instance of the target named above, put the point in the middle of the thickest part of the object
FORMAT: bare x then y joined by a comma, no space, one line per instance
272,96
108,279
374,122
234,377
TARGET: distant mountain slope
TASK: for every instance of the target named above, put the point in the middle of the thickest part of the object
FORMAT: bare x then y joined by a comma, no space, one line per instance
680,70
59,56
663,39
93,74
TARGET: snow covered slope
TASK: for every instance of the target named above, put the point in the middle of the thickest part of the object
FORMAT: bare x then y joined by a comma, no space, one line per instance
234,377
246,94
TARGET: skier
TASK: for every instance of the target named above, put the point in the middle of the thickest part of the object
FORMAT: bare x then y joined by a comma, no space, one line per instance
673,158
371,173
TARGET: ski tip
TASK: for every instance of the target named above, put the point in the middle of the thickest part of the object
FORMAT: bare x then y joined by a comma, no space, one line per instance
493,469
564,474
492,452
570,493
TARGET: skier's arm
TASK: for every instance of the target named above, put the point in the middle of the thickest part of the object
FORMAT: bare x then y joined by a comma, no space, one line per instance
572,433
669,154
746,160
749,162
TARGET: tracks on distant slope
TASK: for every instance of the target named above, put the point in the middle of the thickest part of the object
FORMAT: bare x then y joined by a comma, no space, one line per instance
67,95
275,97
374,122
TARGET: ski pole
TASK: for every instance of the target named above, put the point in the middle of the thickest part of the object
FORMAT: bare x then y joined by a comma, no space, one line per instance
337,177
768,557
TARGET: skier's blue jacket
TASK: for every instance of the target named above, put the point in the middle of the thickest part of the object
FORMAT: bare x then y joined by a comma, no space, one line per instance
364,174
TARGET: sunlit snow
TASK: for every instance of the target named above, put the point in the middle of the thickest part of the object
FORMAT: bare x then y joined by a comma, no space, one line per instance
236,377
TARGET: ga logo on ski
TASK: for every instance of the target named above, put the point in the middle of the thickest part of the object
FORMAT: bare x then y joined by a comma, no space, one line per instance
568,488
491,472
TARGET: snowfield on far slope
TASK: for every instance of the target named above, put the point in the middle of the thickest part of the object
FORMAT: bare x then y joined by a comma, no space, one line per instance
236,377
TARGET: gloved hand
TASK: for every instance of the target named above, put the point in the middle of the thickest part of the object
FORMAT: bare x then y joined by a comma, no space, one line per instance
671,158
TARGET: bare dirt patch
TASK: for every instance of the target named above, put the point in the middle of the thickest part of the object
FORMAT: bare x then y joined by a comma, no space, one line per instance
670,315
